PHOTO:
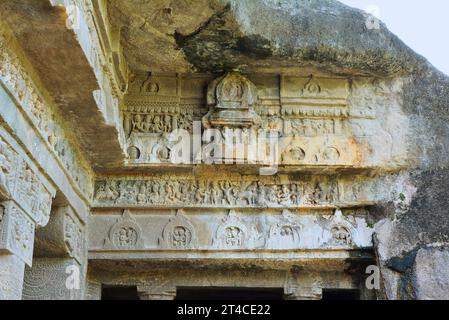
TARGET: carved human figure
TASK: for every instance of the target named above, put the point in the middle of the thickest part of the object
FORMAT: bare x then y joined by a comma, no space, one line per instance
127,237
161,152
142,196
147,124
284,195
182,192
341,235
137,123
152,87
296,194
158,124
233,91
180,237
155,198
227,190
233,236
272,192
167,123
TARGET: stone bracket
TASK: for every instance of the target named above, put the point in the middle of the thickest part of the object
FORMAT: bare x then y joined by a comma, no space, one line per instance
65,232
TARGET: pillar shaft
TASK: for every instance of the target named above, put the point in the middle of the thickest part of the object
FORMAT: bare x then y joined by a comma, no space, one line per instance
11,277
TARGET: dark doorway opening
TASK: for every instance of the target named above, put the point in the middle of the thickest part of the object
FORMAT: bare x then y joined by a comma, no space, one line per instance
215,293
341,294
119,293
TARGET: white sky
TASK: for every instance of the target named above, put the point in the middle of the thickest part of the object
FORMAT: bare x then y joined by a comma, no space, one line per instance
422,24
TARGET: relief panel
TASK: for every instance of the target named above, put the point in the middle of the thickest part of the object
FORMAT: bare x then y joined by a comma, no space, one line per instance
231,230
248,191
310,118
16,232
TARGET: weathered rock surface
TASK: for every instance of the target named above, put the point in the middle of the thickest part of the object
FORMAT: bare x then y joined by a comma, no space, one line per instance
61,65
431,278
384,174
256,35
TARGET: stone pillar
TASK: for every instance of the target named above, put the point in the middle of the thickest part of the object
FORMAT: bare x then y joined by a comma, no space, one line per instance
54,279
16,249
11,277
61,275
156,292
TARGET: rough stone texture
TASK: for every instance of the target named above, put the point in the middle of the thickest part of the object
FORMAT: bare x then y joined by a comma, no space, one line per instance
11,277
61,64
48,280
431,279
362,119
255,35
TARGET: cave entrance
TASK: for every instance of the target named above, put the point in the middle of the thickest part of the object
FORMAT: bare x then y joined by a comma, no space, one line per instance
216,293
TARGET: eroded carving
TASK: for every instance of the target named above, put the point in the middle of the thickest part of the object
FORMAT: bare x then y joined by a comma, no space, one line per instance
22,87
172,192
285,234
74,237
233,234
125,234
231,99
23,185
17,232
178,233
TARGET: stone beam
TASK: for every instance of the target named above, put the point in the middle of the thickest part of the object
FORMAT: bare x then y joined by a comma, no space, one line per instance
233,236
87,102
27,108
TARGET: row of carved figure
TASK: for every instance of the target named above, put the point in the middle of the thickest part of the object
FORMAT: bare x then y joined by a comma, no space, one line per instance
14,76
214,193
287,232
159,123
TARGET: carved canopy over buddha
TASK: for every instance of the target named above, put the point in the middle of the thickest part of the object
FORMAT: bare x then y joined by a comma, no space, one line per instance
231,99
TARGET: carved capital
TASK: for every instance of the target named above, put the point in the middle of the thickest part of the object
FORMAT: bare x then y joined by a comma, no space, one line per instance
303,293
16,232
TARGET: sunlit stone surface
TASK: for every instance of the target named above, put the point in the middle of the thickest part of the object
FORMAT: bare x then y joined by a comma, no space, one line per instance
166,144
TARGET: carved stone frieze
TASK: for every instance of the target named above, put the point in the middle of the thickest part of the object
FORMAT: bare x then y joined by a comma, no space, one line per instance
38,108
312,114
17,232
19,182
256,192
230,230
339,231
